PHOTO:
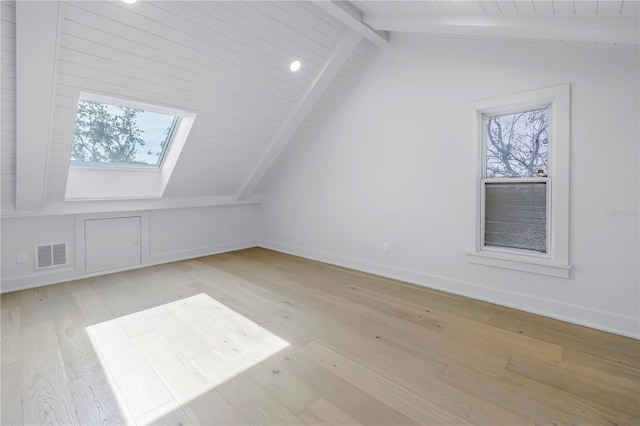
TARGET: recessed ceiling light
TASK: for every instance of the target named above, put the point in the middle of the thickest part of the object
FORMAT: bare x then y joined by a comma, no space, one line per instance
295,66
129,1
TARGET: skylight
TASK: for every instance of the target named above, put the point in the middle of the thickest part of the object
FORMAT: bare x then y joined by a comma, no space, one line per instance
124,148
117,135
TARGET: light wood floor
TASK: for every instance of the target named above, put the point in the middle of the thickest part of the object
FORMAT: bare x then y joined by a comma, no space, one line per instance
258,337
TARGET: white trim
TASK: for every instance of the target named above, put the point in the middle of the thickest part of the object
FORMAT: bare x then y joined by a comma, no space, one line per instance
600,320
121,205
557,258
518,262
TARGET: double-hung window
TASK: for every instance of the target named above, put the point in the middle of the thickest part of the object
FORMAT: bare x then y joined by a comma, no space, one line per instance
515,181
523,182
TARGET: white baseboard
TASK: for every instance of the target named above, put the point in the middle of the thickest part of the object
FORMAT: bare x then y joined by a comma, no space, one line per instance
39,279
600,320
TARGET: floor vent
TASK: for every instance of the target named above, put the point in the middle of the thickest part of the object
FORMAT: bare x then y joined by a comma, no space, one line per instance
51,255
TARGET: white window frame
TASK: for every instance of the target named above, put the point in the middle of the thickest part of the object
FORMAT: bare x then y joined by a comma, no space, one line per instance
117,182
555,262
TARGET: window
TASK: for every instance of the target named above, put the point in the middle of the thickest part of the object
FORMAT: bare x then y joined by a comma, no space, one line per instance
123,148
117,135
515,180
522,213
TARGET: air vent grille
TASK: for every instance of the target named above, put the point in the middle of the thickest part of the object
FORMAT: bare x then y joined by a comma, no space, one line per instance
51,255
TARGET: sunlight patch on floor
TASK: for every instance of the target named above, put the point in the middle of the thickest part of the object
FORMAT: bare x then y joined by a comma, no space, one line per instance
175,352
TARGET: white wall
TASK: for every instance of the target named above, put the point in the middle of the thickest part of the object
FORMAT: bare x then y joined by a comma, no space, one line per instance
167,235
394,161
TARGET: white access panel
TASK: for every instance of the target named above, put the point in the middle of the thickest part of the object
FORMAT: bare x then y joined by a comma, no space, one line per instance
112,243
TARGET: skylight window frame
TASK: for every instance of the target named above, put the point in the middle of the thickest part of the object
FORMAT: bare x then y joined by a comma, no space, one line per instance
127,103
115,181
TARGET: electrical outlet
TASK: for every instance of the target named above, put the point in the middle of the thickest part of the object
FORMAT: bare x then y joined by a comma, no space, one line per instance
226,230
385,247
21,257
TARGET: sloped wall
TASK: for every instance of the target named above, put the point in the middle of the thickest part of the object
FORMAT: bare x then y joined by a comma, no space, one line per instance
394,162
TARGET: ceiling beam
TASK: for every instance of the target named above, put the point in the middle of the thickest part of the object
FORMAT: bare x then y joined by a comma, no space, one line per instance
298,114
591,29
344,12
36,40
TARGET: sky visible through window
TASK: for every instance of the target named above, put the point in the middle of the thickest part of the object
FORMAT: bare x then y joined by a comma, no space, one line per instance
114,135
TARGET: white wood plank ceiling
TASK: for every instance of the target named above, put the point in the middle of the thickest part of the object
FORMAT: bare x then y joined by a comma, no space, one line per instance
8,104
228,61
502,7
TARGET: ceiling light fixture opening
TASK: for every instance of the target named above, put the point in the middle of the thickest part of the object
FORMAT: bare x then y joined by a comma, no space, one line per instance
295,66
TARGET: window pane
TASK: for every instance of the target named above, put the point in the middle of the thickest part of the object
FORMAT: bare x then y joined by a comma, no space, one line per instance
115,135
516,215
517,144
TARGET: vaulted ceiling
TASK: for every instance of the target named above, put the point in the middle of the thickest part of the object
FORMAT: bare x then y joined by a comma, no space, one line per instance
228,62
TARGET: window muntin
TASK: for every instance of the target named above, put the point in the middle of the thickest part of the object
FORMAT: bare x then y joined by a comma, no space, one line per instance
515,182
115,135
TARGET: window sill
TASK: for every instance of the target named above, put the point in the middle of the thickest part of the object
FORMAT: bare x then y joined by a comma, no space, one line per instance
519,263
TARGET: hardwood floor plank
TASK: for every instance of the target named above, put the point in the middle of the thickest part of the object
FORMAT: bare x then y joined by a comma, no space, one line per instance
78,353
35,312
85,295
291,392
408,372
10,300
179,376
323,412
484,336
395,396
211,409
254,403
610,369
45,387
618,393
434,347
527,398
11,338
618,349
169,414
279,284
97,401
11,393
349,398
138,383
95,314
